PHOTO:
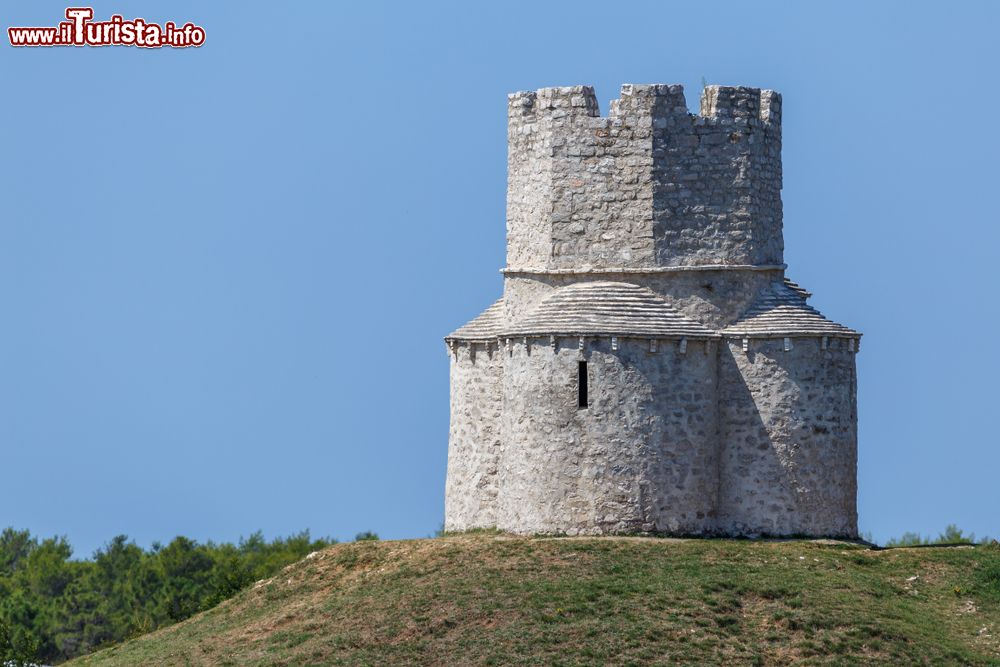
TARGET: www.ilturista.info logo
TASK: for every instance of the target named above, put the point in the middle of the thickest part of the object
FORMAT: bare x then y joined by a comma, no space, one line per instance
80,30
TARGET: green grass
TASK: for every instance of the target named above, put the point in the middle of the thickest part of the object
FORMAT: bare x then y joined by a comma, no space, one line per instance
491,599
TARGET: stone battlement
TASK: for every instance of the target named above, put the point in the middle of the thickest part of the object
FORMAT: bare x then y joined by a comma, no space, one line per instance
650,184
735,103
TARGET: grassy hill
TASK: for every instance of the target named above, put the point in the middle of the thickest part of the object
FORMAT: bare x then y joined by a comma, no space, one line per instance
496,600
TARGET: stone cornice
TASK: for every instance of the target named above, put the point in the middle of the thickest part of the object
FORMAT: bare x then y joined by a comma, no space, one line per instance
628,270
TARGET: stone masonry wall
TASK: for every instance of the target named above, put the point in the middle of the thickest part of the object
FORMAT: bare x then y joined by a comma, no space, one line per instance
789,438
649,185
474,440
641,457
717,180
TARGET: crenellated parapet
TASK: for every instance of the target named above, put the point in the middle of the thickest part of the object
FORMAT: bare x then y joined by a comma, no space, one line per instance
648,186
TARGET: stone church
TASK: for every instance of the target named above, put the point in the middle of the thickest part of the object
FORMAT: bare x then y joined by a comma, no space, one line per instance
650,368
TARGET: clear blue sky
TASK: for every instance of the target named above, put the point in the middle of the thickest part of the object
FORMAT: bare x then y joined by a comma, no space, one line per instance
225,272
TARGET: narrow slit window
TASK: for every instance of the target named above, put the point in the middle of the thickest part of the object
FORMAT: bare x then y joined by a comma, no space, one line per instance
582,385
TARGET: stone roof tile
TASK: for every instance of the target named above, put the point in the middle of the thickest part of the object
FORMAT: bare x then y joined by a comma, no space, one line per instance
606,308
486,326
781,310
798,288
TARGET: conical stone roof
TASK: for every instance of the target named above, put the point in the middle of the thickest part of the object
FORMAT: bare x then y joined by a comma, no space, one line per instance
781,310
486,326
798,288
606,308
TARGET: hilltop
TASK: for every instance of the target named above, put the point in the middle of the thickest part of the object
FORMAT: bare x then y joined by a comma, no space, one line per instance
494,599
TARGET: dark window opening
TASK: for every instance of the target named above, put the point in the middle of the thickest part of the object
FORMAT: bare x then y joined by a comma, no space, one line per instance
582,385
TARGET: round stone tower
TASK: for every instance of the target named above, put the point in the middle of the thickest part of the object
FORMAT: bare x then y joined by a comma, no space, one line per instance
788,395
649,368
609,416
